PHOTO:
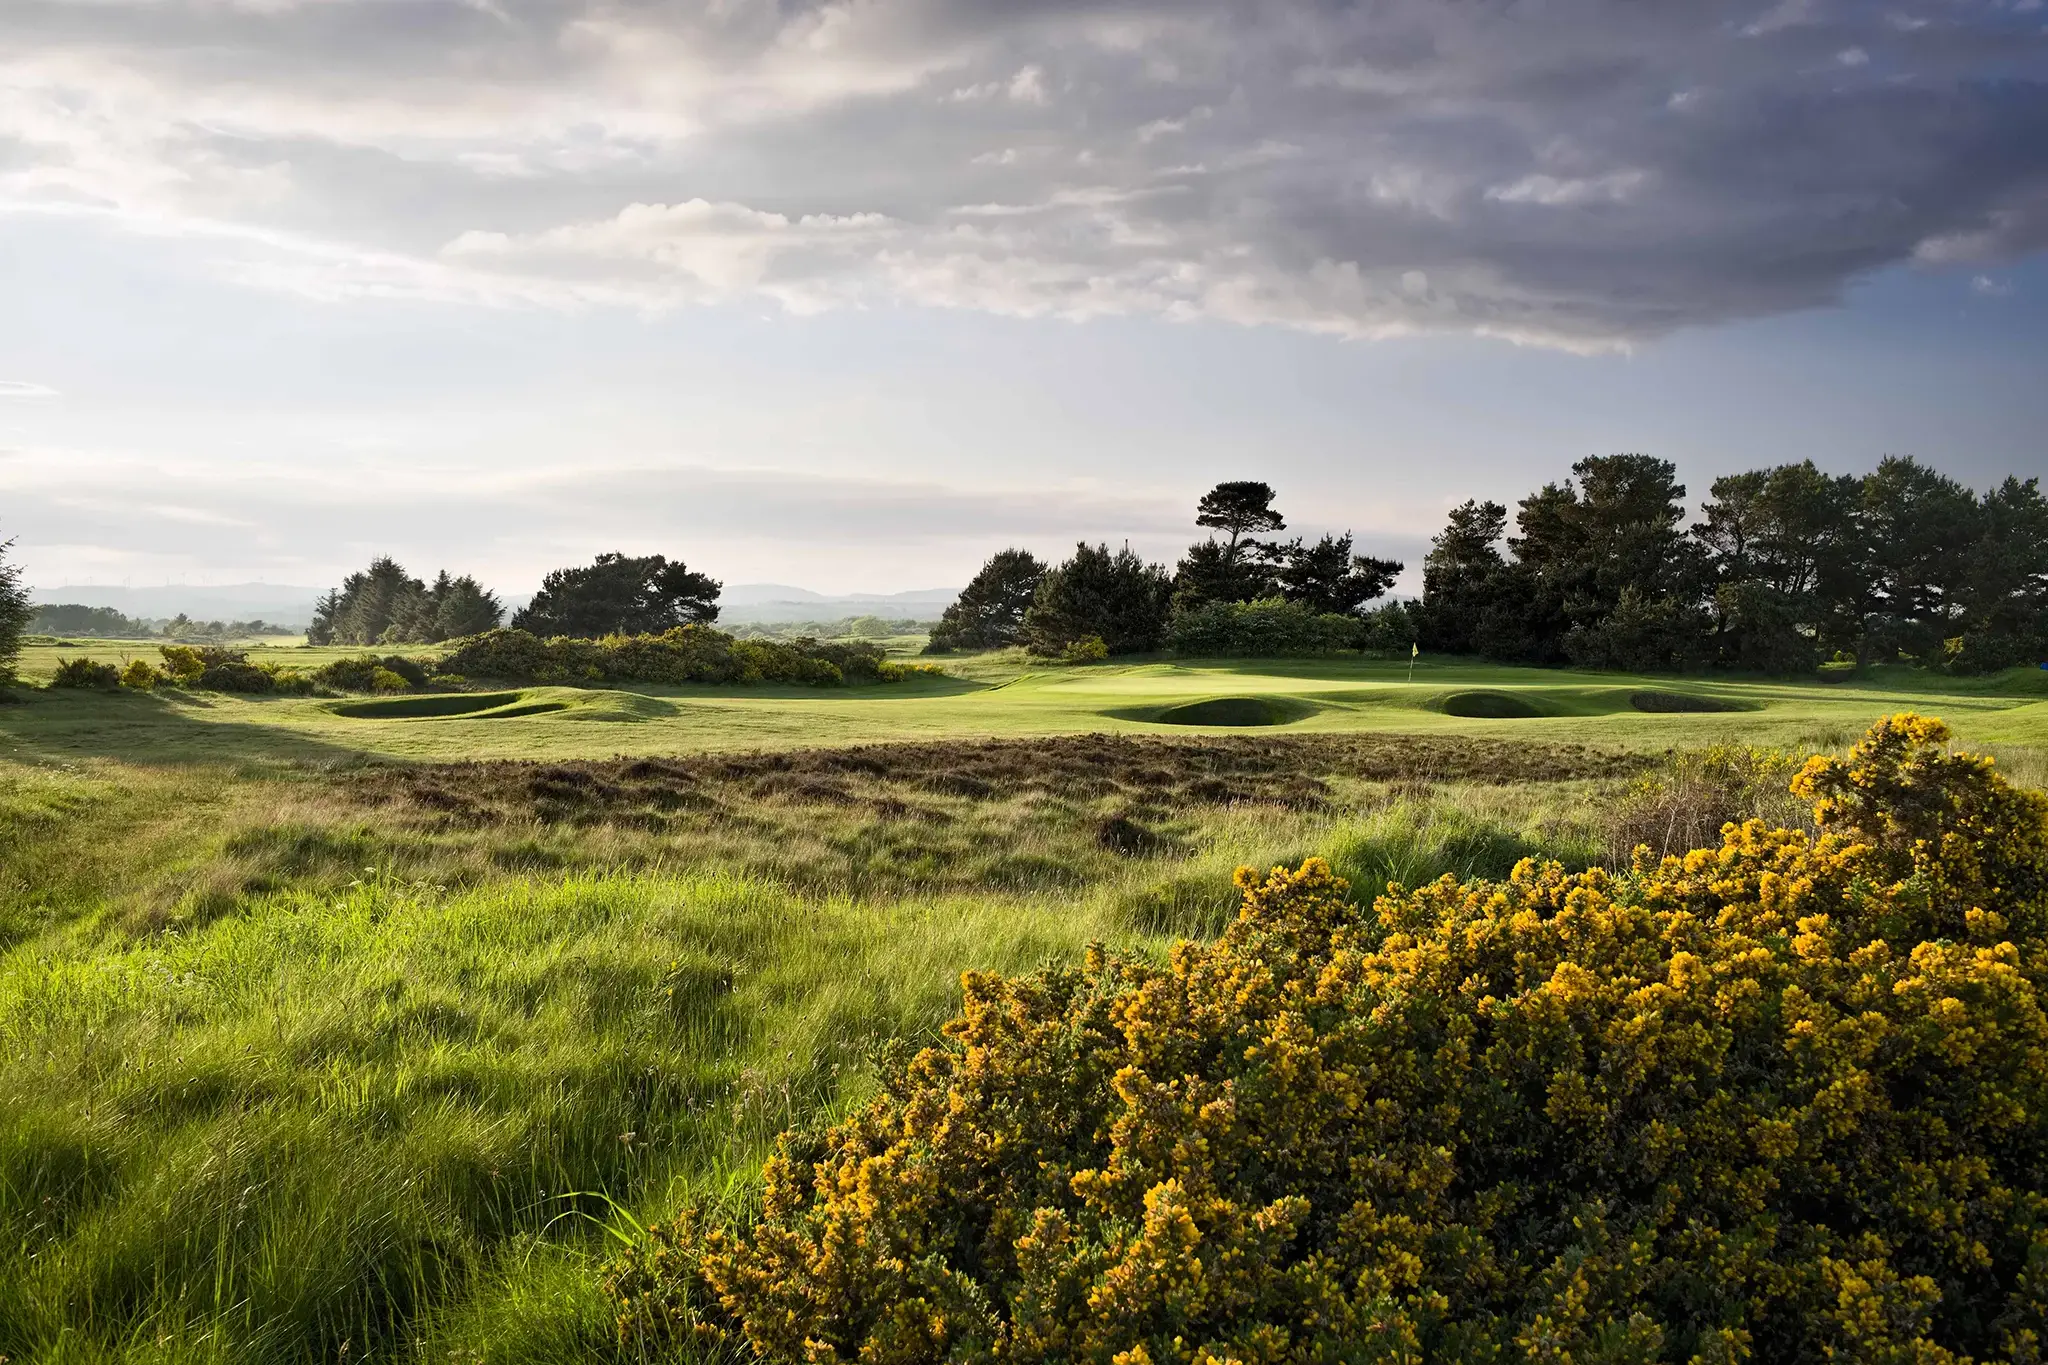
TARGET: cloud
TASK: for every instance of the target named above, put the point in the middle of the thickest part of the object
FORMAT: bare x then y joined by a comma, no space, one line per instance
18,388
1987,287
1585,174
309,525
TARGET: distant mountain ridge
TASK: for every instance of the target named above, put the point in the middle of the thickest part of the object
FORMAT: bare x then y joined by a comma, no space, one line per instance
291,605
775,603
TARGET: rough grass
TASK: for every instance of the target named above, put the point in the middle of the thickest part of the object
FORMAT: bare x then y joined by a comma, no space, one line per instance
361,1064
306,1055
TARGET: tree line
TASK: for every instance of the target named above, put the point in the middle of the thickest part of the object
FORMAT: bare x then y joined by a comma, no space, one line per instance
615,594
1117,603
1785,568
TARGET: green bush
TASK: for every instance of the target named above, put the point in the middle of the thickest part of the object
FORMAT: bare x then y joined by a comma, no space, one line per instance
218,668
359,673
687,654
1785,1099
140,676
85,673
1264,629
182,664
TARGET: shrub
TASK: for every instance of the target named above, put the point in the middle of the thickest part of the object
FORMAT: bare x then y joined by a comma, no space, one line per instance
1261,629
890,671
85,673
1087,650
182,664
359,673
218,668
236,675
1781,1100
140,676
687,654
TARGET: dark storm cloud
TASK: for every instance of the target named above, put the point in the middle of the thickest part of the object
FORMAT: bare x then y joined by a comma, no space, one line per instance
1579,172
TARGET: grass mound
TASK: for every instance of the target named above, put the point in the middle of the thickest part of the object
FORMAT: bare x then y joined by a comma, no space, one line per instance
435,704
1236,711
1657,702
1490,706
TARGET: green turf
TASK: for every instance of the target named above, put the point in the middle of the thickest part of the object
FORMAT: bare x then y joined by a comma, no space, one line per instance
296,1068
999,697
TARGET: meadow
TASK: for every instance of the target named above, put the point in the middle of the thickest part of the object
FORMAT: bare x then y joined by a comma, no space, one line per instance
339,1029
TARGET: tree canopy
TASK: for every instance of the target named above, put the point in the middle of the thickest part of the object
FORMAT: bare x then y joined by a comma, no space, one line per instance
1326,577
15,612
1784,568
1242,507
989,613
386,605
620,594
1116,598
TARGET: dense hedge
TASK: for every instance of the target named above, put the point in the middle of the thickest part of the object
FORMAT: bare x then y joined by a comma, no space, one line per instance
1267,628
1781,1100
687,654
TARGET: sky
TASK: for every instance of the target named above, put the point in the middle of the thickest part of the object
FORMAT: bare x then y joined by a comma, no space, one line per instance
849,295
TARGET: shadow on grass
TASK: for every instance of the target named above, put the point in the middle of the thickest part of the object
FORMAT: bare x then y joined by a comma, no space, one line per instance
166,729
907,689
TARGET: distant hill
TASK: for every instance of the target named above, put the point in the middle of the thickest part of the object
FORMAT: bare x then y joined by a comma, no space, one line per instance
284,604
279,603
772,603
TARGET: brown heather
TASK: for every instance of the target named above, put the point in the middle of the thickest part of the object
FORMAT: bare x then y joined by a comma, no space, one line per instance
1780,1100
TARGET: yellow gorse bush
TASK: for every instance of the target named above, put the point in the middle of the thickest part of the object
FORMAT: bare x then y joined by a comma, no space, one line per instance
1781,1100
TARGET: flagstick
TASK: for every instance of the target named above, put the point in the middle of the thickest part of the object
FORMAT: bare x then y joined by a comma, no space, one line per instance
1413,650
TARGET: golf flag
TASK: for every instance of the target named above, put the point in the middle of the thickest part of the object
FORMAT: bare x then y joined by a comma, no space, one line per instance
1414,650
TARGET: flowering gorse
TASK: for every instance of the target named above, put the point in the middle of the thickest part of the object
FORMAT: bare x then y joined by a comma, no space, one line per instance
1781,1100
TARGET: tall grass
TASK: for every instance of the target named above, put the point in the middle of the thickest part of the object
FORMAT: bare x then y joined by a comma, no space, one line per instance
292,1134
288,1078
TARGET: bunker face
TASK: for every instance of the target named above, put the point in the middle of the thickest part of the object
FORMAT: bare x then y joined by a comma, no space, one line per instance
1657,702
1490,706
1236,711
441,704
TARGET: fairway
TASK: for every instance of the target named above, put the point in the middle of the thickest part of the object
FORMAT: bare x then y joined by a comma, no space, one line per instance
997,697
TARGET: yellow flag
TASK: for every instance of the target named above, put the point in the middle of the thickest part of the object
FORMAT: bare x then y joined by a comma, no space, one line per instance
1414,650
